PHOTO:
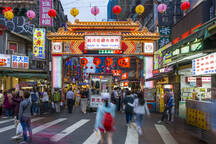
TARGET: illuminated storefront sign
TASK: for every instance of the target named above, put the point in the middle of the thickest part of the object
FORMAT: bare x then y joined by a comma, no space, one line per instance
20,62
102,42
185,49
5,60
39,43
204,79
204,65
195,46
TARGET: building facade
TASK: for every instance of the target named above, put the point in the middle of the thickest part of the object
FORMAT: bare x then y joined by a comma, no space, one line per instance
16,36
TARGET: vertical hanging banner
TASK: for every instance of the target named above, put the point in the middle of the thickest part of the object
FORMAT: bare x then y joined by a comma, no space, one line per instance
57,71
39,43
45,6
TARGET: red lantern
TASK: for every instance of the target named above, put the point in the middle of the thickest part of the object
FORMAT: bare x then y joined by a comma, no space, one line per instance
124,62
86,67
117,9
52,13
74,66
91,67
96,61
102,67
83,61
108,61
97,67
185,6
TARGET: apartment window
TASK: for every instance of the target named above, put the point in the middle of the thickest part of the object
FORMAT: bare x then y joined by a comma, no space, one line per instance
13,46
165,20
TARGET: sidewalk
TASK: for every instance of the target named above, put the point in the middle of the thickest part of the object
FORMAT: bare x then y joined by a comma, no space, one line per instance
178,129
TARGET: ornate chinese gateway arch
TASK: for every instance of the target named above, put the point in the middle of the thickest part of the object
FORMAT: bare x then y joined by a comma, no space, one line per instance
118,38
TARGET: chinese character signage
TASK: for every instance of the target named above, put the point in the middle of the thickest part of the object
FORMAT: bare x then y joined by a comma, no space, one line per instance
148,48
57,47
39,43
5,60
21,62
163,41
204,65
165,31
45,6
102,42
95,101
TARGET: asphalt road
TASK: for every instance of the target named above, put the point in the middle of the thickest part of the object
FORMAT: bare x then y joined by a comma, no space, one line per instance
77,128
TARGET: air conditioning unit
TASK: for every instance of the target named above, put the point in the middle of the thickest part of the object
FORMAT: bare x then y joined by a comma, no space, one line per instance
9,51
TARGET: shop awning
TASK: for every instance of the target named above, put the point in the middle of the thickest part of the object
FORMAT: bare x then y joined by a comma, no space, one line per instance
159,76
28,75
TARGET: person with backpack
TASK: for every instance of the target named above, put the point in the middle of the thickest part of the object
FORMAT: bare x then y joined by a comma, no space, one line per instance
70,100
105,119
25,117
34,99
57,100
140,108
128,109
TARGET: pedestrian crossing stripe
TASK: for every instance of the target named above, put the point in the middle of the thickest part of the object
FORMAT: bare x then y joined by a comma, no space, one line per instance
46,125
132,135
165,134
5,121
69,130
93,139
12,126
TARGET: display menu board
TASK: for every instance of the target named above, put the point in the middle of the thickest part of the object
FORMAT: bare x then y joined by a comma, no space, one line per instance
204,65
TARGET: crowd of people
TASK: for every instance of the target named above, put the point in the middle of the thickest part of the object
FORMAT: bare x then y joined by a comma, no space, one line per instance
22,105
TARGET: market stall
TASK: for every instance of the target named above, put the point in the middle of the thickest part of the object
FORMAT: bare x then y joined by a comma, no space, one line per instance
99,84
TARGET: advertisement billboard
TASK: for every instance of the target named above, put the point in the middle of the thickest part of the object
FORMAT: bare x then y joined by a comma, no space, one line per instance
5,60
39,43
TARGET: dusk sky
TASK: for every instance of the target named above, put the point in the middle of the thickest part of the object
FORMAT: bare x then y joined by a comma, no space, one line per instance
84,7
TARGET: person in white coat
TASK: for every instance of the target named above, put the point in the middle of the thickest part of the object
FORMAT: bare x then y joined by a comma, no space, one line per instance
140,109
